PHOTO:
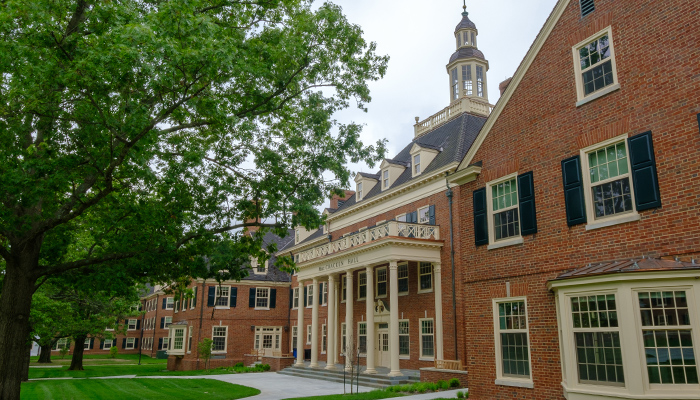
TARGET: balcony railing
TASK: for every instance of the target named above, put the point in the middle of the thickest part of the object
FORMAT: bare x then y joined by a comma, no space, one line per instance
462,105
391,228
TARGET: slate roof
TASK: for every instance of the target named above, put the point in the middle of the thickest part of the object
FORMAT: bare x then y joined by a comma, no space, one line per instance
628,266
454,138
467,52
315,235
273,273
368,175
465,22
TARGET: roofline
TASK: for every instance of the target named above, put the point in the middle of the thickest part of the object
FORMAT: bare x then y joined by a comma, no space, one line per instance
624,276
541,38
303,245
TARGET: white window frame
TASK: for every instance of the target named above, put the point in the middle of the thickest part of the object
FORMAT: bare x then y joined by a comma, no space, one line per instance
343,288
295,332
213,329
359,191
420,339
166,343
386,182
185,301
323,287
309,296
385,281
189,339
416,164
581,97
308,334
425,209
360,284
359,335
130,343
105,342
262,293
432,278
500,378
86,345
616,219
324,339
513,240
295,298
61,344
404,265
167,322
218,296
169,303
405,356
193,298
343,337
129,324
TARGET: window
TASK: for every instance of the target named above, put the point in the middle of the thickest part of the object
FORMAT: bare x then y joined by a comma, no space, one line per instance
295,300
184,302
193,300
595,66
467,78
222,296
381,282
416,164
587,7
189,340
503,201
610,181
404,339
362,336
177,304
385,178
107,344
424,215
455,84
361,285
668,338
425,276
359,191
323,338
178,340
167,322
480,81
131,325
295,332
324,291
219,336
343,339
343,290
169,303
473,39
296,236
427,338
403,278
130,343
262,298
512,349
86,345
166,342
308,334
309,296
63,343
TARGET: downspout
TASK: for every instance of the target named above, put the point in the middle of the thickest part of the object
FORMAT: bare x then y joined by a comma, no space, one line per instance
201,316
155,321
452,261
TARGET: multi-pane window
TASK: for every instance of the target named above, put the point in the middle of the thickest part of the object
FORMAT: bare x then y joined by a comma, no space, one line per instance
169,303
403,278
359,191
424,215
467,78
219,335
166,342
86,345
167,321
324,333
427,338
308,334
324,293
107,344
295,332
381,282
189,339
178,339
362,336
473,39
184,302
455,84
480,81
343,337
404,339
309,295
262,298
222,296
131,325
295,303
425,276
193,300
597,339
668,339
513,341
130,343
63,343
361,285
611,190
343,288
504,205
385,178
177,304
596,65
416,164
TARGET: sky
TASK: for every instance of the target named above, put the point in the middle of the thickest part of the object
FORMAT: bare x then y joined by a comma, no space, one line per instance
418,36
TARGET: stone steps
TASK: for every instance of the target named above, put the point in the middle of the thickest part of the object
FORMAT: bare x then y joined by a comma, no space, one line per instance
374,381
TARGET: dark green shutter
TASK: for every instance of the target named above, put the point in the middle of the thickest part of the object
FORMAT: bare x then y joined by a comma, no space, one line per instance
273,298
138,324
481,227
162,322
165,301
123,343
234,296
251,298
431,215
99,344
320,293
305,296
92,343
114,343
136,343
160,344
573,191
526,201
643,162
212,296
291,298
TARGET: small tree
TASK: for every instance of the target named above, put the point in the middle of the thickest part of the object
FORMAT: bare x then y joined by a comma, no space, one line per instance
64,350
113,351
204,349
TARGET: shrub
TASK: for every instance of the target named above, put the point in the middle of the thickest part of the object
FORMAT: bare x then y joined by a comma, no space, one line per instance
460,394
204,349
113,351
238,365
454,383
442,384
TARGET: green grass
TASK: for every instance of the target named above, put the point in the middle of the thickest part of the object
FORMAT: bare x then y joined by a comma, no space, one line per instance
98,359
92,371
375,394
124,389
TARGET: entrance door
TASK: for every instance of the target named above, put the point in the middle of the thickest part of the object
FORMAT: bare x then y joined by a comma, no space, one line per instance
382,349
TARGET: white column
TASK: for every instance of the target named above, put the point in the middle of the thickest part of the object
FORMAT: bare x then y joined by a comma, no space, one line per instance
348,318
336,325
330,326
301,332
438,310
314,324
370,321
394,318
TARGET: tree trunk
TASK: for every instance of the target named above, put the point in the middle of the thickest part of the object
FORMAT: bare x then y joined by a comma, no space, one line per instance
27,360
45,354
76,363
15,303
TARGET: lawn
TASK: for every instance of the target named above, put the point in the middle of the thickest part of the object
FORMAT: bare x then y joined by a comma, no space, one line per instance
98,359
124,389
92,371
375,394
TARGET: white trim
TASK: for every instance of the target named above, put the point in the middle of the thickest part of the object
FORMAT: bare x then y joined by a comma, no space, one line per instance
261,297
514,383
598,94
614,221
420,339
493,243
217,296
583,99
427,220
310,295
133,343
225,340
359,285
308,334
505,243
376,283
432,278
407,277
500,378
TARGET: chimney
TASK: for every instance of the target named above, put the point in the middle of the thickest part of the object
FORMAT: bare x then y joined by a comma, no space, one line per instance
251,229
337,201
504,85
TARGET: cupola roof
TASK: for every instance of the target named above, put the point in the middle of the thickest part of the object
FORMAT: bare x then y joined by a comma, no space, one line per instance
465,23
467,52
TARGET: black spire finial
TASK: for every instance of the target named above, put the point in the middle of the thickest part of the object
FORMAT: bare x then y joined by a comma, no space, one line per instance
465,13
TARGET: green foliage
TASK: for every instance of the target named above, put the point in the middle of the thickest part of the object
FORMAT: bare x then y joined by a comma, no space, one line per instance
372,395
454,383
64,350
113,351
204,348
460,395
423,387
238,365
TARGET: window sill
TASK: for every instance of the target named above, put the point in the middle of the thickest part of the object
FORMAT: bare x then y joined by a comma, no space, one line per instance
380,297
219,352
515,383
425,291
403,294
598,95
506,243
222,308
262,308
426,358
613,221
404,357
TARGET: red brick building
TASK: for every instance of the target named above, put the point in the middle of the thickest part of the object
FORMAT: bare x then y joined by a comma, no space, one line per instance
579,229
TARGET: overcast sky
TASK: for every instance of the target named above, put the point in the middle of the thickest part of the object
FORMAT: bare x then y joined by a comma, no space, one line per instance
418,35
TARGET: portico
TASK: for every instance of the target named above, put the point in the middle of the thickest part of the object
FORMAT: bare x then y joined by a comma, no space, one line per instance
366,267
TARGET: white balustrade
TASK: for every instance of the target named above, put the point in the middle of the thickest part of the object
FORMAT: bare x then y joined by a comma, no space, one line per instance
462,105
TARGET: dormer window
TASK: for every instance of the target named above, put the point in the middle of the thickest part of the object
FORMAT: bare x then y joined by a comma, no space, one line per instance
359,191
416,164
385,178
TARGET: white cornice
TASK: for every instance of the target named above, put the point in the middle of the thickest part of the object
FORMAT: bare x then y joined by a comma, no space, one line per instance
517,78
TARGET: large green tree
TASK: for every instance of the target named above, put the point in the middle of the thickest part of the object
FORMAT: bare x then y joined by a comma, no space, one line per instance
141,130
